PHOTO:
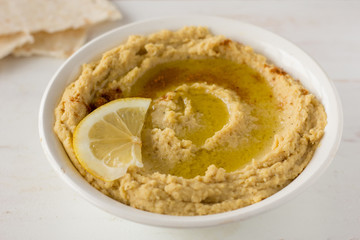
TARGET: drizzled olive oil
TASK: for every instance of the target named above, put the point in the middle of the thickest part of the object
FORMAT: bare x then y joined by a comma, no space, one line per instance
251,88
214,116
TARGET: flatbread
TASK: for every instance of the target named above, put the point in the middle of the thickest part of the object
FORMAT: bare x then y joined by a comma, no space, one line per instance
55,15
49,27
9,42
12,25
60,44
10,20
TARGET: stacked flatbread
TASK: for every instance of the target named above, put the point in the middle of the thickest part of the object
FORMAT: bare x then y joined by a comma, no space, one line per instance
49,27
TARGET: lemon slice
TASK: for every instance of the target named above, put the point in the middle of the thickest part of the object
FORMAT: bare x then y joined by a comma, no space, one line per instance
107,141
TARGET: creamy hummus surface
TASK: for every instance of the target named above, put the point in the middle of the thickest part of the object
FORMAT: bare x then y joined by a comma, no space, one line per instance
225,129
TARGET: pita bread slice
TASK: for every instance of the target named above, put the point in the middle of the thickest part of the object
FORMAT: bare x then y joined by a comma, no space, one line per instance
9,42
56,15
59,44
10,21
14,32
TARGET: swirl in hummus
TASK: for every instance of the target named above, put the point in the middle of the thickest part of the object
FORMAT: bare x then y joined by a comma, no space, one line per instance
225,129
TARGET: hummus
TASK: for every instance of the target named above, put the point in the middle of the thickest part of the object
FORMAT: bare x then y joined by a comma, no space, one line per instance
225,129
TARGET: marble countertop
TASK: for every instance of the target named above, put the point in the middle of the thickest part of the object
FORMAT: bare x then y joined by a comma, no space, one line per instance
36,204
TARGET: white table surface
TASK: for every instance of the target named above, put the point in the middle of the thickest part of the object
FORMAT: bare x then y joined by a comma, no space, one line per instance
36,204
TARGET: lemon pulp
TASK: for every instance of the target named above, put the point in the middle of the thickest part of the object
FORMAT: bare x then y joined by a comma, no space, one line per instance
107,141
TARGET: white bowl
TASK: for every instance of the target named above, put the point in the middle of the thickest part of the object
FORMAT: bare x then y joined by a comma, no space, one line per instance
280,51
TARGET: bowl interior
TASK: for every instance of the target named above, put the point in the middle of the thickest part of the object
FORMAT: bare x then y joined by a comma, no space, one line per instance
278,50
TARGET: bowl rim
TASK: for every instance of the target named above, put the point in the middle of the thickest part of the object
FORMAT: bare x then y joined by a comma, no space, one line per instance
70,175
